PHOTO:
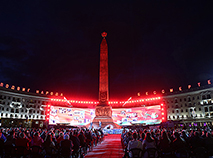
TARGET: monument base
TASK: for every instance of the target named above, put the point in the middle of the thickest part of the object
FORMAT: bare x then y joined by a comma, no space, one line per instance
104,122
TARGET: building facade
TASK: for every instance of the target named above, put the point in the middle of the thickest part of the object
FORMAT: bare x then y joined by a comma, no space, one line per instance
192,107
22,108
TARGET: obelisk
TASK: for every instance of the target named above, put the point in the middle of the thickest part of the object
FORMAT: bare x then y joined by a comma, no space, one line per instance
103,111
103,71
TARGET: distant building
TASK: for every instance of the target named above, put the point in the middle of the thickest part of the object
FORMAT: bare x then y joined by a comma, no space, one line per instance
20,108
193,107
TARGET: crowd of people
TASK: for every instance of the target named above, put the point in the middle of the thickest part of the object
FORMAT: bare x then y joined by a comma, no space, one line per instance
60,142
161,142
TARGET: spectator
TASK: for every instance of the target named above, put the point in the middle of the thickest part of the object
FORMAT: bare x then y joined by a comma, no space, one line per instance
37,140
134,144
164,142
22,141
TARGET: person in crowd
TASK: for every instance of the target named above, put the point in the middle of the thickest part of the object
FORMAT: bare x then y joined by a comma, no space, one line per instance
10,139
22,141
178,142
164,143
76,143
196,141
49,145
66,146
149,143
60,137
37,140
134,144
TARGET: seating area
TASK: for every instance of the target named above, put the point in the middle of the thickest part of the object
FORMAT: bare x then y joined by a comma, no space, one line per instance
52,143
167,143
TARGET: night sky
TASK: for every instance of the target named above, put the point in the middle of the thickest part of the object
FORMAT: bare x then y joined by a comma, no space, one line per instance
153,45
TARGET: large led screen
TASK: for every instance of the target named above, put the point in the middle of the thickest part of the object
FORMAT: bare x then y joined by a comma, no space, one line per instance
141,115
122,116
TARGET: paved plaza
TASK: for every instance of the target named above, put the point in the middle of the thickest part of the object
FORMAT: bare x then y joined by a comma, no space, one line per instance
109,148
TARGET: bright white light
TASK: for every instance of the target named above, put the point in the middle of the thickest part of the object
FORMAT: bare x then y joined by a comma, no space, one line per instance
127,101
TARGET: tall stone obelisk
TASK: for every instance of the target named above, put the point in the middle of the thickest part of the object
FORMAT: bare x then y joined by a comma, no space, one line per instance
103,72
103,111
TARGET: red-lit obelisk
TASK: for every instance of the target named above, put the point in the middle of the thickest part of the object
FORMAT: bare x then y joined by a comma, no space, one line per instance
103,112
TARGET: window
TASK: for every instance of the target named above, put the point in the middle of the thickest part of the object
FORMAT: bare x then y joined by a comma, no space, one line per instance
7,109
177,111
173,117
198,97
210,108
176,101
12,110
206,109
172,111
180,100
177,117
193,98
181,105
181,110
203,97
185,105
208,96
184,99
8,98
186,110
17,110
199,109
190,110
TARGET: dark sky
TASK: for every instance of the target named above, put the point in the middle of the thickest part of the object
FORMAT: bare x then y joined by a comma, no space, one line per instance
153,45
